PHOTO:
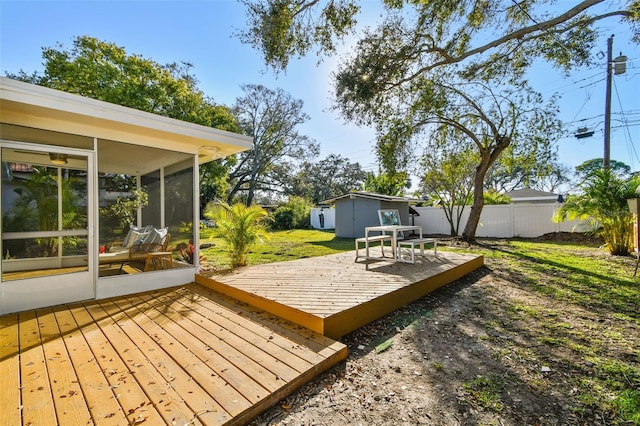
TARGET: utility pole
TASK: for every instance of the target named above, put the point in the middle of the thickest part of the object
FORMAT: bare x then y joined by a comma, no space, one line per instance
606,162
615,66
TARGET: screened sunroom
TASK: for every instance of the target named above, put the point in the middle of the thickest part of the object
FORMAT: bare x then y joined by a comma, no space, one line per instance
97,199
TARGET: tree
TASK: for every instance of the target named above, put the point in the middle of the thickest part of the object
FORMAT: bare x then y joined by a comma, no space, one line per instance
519,167
603,202
104,71
281,29
214,180
387,183
448,167
491,119
328,178
403,63
441,34
239,226
589,167
558,175
271,117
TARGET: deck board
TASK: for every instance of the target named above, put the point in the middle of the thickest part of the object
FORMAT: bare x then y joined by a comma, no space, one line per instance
145,334
128,393
168,402
100,397
10,402
35,385
70,406
185,355
333,295
178,342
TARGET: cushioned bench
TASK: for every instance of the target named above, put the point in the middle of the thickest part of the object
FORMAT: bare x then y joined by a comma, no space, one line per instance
138,243
412,243
371,239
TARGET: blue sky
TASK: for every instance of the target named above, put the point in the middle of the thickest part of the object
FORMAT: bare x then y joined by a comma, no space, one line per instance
201,33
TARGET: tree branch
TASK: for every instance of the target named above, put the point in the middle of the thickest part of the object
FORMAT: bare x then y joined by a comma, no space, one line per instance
524,35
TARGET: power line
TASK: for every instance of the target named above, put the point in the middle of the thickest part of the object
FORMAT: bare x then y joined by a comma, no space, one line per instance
630,145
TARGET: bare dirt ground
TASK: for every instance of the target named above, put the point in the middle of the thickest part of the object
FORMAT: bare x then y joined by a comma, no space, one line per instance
471,353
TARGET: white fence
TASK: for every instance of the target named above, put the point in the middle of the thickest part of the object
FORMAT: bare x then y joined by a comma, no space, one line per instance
502,221
328,217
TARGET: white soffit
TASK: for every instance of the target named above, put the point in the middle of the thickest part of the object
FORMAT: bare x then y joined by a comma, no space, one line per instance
35,106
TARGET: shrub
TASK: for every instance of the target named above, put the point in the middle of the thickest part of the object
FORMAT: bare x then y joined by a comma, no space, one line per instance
493,197
239,226
283,218
603,203
294,214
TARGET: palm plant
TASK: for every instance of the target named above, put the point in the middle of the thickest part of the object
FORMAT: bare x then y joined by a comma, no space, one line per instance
603,203
239,226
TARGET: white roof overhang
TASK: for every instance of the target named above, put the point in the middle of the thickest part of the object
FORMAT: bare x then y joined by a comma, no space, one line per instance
39,107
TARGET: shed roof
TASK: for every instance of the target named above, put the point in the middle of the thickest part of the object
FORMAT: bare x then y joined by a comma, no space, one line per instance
40,107
528,194
368,195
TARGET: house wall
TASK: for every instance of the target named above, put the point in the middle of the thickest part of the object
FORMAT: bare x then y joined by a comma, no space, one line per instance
502,221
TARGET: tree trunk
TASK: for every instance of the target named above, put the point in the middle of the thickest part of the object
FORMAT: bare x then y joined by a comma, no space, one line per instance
487,158
469,233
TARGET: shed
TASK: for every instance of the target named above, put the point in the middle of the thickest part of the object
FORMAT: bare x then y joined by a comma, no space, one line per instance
357,210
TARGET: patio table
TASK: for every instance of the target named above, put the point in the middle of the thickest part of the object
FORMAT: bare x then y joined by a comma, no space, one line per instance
394,230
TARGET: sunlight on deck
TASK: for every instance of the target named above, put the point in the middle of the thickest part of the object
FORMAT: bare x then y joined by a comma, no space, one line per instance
177,356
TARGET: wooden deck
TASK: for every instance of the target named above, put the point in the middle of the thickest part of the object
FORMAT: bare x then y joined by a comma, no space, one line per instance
333,295
185,355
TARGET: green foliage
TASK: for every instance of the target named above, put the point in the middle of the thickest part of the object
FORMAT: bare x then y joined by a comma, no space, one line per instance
430,35
105,71
294,214
124,209
627,403
448,166
387,183
37,205
36,208
589,167
281,29
603,203
492,197
328,178
239,226
486,391
214,179
519,166
283,218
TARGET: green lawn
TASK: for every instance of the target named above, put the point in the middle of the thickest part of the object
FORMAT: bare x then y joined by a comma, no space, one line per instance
280,246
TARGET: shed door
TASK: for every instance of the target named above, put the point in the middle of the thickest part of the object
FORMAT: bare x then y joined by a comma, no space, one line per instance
46,222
